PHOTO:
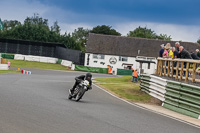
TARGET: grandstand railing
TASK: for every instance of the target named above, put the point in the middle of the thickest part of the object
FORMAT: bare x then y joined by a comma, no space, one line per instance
182,69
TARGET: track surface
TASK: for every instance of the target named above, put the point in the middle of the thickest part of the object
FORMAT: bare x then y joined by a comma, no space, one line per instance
38,103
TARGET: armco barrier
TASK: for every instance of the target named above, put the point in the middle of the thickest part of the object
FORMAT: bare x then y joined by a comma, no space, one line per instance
91,69
176,96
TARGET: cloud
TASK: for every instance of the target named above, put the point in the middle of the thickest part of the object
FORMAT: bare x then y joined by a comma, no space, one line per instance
69,20
177,32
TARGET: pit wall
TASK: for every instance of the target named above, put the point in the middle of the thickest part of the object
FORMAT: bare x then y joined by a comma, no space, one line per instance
176,96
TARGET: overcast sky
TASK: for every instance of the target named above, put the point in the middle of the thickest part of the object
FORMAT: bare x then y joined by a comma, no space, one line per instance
178,18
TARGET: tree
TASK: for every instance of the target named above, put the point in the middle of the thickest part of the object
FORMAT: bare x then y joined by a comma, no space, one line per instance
164,37
107,30
198,41
148,33
142,32
81,36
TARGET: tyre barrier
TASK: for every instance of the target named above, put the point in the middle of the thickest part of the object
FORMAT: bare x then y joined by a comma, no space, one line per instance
26,72
180,97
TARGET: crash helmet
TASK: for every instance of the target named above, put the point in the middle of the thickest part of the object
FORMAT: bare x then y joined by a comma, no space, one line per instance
88,76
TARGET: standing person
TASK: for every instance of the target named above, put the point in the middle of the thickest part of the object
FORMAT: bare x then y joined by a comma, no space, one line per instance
170,53
175,53
177,45
175,56
198,52
194,56
161,50
109,69
135,75
184,54
8,64
165,53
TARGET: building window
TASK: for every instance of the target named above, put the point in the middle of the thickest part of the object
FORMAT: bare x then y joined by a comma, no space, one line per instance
98,56
122,58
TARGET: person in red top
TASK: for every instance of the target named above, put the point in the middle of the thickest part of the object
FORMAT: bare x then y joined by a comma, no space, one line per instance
135,75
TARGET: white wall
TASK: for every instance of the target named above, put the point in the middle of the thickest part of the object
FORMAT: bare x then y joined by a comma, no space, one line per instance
131,60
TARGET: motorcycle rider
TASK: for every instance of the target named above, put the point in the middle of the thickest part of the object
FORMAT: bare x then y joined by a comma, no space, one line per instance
78,79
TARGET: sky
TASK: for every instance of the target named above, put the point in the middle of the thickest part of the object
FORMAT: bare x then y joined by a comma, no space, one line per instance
178,18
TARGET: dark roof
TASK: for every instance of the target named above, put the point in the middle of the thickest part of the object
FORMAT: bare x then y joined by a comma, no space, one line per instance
129,46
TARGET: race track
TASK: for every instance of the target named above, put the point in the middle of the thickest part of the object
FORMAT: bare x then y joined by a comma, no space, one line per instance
38,103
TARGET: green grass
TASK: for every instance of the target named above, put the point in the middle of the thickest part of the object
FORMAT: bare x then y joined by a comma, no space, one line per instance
125,89
121,79
32,64
9,71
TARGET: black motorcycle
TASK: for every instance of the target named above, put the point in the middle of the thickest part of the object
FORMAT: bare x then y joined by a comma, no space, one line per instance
79,91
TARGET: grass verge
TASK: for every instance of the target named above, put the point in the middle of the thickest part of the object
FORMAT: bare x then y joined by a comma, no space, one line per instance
9,71
32,64
124,88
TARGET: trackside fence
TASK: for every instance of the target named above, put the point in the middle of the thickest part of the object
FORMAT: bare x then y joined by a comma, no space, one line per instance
176,96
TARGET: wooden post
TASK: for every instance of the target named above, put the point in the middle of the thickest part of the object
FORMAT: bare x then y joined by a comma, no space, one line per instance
181,72
165,68
168,69
193,72
161,63
172,70
158,67
177,69
186,72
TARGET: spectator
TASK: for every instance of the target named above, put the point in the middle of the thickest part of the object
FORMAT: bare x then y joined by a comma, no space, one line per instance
165,53
170,53
8,64
194,56
175,56
198,52
184,53
161,50
177,44
175,53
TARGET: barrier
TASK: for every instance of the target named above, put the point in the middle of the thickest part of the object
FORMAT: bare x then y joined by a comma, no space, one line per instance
4,67
91,69
19,57
176,96
66,63
124,72
7,56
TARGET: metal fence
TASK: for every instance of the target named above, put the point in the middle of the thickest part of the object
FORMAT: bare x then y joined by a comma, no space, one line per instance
56,50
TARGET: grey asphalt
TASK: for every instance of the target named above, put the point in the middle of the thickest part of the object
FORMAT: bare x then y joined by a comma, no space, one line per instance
38,103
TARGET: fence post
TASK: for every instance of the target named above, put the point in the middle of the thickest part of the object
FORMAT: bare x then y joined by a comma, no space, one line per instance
193,72
186,76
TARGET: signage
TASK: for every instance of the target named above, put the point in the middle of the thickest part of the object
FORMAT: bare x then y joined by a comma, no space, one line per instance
113,60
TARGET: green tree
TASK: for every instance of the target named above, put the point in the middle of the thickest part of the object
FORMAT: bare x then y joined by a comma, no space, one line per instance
164,37
81,36
103,29
198,41
148,33
142,32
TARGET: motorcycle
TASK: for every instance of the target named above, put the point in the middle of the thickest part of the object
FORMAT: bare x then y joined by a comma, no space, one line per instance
79,91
